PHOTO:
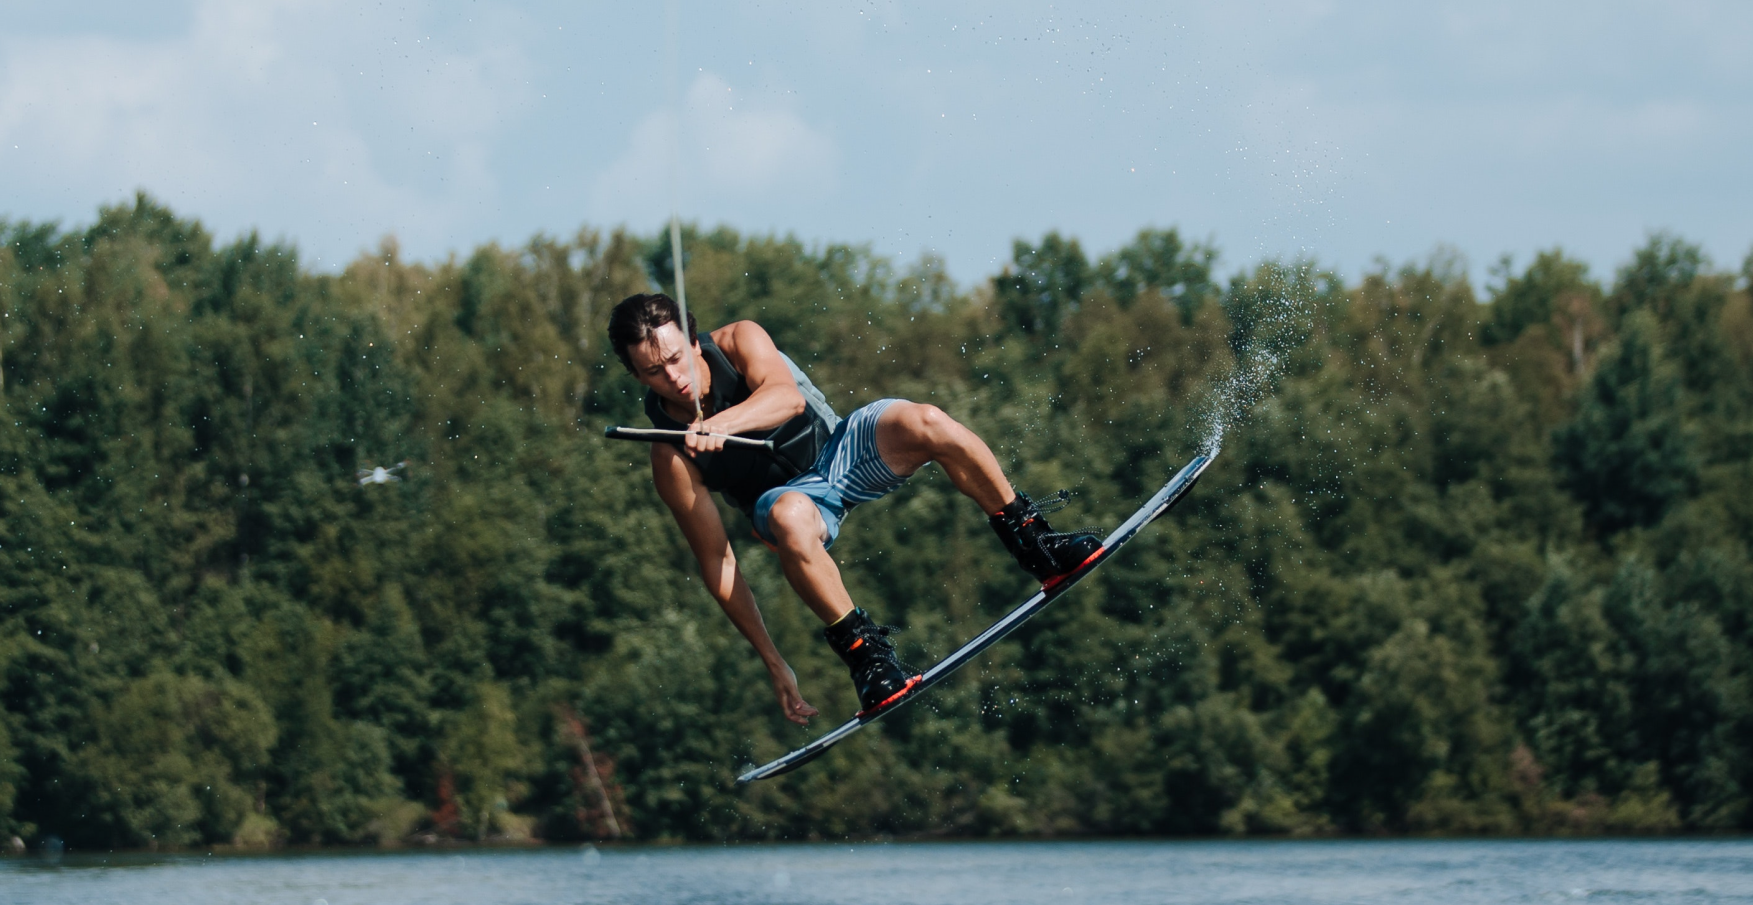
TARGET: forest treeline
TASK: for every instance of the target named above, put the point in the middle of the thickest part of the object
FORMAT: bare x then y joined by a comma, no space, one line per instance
1471,564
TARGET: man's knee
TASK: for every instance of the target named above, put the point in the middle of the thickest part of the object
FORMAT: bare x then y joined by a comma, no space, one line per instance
926,423
794,521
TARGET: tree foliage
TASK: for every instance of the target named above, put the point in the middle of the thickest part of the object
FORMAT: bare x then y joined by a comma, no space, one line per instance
1464,567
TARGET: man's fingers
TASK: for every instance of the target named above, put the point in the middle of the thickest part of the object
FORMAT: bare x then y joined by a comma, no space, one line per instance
797,709
791,701
700,439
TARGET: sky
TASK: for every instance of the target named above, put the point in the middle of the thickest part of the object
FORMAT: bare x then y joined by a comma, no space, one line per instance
1350,133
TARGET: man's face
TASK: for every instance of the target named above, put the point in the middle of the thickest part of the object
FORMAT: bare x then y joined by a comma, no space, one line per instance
661,363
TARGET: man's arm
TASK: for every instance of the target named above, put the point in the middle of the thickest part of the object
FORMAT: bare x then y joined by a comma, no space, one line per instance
679,484
773,394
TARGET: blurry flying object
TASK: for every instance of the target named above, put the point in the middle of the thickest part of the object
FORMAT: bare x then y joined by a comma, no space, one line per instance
378,474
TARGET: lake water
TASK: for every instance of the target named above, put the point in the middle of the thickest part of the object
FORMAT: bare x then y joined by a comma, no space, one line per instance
1427,872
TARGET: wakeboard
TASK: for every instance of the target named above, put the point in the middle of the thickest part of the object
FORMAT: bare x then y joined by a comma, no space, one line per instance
1164,500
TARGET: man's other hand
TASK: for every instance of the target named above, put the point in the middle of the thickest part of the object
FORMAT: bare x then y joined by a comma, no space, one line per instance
791,701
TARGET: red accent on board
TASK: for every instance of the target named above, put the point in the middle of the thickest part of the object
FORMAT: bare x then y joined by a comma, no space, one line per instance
1053,582
892,698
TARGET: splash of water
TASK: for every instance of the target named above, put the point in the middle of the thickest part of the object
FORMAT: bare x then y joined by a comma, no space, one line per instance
1271,325
1235,394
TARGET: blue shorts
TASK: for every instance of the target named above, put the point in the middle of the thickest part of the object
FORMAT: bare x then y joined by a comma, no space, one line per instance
849,471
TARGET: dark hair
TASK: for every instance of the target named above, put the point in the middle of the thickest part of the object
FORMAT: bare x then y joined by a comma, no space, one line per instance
637,317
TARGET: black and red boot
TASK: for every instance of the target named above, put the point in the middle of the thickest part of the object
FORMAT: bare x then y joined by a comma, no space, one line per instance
879,676
1042,552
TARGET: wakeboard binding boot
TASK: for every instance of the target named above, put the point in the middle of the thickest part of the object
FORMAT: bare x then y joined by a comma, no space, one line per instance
1042,552
879,676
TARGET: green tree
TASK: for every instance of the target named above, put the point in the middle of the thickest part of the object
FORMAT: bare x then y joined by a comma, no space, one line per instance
1627,456
1554,291
172,761
1044,284
482,755
1157,260
10,776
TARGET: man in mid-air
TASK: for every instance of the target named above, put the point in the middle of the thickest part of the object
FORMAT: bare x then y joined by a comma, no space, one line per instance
797,496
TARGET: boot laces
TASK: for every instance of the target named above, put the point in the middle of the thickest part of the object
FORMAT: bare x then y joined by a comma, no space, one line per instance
873,632
1050,504
876,637
1053,503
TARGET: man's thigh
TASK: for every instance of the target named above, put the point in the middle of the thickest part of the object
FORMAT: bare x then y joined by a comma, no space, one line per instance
899,438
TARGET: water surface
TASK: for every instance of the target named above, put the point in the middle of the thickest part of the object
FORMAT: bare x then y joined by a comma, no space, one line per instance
962,873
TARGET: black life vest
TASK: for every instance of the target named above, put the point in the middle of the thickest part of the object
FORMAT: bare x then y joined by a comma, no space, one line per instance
741,474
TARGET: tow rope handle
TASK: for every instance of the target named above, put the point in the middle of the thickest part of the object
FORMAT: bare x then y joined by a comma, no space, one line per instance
657,435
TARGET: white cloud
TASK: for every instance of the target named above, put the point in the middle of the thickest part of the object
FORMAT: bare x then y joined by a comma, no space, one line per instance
636,187
750,149
731,147
306,118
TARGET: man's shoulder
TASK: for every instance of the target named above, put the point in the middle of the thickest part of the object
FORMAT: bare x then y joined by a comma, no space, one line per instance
743,342
738,332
